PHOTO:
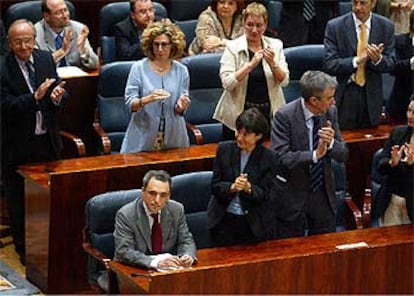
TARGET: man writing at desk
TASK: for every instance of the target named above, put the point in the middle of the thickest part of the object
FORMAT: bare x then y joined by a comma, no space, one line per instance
150,228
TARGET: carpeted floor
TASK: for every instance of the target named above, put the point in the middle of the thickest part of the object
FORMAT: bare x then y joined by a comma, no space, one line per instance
22,287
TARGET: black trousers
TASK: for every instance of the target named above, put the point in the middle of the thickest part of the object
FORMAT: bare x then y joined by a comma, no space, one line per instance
232,230
315,218
40,150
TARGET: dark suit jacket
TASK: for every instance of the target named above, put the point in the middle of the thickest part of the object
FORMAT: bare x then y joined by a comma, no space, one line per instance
403,86
133,234
18,107
226,169
290,141
127,39
294,30
341,47
401,177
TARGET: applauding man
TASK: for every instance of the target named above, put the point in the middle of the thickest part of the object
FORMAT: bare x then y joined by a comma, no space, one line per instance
66,39
31,92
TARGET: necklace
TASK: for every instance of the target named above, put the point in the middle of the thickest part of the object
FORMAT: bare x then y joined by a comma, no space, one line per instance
161,69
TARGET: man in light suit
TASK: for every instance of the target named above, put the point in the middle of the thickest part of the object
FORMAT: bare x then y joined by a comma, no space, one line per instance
74,48
359,102
297,205
29,103
128,31
134,221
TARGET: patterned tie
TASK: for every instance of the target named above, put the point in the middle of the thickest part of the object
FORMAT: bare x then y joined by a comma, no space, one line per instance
32,77
156,235
316,169
362,45
58,45
309,10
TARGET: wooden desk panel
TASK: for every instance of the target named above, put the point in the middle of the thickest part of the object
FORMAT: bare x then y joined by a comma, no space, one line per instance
63,187
56,194
298,266
362,144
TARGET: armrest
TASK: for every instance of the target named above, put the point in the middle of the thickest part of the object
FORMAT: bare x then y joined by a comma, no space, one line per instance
88,248
105,141
73,139
195,133
353,216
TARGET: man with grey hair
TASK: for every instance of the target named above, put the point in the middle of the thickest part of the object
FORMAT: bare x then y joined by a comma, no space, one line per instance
306,136
31,95
150,229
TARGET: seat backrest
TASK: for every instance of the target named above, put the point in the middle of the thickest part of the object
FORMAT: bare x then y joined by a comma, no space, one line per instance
193,190
31,10
344,7
274,9
301,59
339,171
376,177
112,113
100,213
188,27
205,92
180,10
109,15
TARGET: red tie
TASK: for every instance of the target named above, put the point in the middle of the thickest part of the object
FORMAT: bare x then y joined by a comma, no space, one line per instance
156,235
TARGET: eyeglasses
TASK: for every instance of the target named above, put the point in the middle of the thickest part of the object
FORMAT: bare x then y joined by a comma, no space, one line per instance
20,42
160,44
143,12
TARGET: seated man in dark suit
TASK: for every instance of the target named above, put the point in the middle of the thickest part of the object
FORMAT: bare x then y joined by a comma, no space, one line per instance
128,31
150,228
31,93
403,72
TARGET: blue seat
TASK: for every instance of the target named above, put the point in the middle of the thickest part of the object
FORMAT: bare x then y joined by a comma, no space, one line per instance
180,10
109,15
344,7
339,172
205,92
376,180
274,9
188,27
301,59
30,10
112,117
98,240
193,190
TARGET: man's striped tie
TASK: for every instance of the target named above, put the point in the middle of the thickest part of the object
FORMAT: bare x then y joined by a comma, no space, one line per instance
309,10
316,169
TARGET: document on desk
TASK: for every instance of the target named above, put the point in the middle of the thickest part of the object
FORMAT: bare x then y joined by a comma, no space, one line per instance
70,71
352,246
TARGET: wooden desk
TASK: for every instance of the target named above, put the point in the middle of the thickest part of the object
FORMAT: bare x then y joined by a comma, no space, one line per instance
362,144
310,265
78,114
56,194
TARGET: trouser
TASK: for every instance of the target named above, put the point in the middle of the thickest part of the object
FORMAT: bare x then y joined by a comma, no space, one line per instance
396,212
